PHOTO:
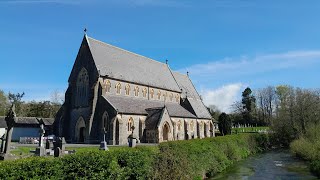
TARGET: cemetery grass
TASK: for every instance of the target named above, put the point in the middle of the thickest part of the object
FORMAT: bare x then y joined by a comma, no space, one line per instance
189,159
249,129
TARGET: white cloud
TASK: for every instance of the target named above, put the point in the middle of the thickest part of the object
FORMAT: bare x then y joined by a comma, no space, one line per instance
258,64
222,97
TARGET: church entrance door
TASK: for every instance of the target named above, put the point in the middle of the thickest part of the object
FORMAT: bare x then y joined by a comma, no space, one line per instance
166,132
81,135
80,130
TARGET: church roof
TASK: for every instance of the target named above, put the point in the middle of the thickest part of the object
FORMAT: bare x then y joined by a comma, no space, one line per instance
199,108
186,85
120,64
154,115
189,92
132,105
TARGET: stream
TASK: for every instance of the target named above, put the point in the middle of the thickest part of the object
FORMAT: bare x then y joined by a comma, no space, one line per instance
277,164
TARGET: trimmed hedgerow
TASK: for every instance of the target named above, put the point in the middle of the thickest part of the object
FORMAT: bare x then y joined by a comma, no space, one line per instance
171,160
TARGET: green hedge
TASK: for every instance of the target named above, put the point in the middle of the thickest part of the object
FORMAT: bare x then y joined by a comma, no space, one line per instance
171,160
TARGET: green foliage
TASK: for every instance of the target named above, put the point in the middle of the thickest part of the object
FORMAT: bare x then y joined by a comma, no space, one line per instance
225,124
205,157
4,103
192,159
248,102
308,147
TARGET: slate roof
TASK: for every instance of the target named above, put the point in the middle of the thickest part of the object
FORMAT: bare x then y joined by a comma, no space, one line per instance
27,121
132,105
33,120
120,64
153,117
189,92
199,108
186,85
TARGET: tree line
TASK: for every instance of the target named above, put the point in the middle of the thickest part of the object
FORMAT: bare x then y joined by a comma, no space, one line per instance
44,109
286,109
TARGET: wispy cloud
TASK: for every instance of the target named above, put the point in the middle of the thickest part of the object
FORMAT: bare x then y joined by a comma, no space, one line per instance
216,79
258,64
222,97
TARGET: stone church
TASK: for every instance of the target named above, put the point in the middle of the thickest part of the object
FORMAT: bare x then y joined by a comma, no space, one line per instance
113,89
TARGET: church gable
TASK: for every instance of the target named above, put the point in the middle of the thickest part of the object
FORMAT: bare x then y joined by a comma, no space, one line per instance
84,60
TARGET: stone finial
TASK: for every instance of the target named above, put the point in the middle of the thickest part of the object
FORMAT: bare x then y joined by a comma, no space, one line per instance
166,61
85,30
187,73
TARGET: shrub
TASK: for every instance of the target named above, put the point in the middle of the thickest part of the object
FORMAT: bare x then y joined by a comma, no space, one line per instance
308,148
192,159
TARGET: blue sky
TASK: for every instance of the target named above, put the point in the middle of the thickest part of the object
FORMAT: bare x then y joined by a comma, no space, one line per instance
226,45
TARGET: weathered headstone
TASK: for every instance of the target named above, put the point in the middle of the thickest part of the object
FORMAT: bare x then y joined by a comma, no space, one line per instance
57,152
132,139
103,144
2,143
10,120
40,151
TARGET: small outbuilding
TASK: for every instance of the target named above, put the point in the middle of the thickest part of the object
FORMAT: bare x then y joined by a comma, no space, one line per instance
26,127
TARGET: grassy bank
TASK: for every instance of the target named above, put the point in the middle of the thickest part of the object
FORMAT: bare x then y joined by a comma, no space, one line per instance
171,160
308,148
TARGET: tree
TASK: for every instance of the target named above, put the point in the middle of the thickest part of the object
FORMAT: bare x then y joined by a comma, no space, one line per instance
4,103
224,123
214,111
248,105
265,102
17,100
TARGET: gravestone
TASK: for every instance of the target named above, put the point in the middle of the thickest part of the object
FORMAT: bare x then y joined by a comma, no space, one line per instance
2,143
60,142
103,144
40,150
10,120
57,152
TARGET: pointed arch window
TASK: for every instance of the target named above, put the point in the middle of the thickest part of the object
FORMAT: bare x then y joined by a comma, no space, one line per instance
151,93
177,98
179,125
127,89
118,88
165,96
159,95
144,92
105,121
136,91
191,126
108,86
130,124
171,96
82,88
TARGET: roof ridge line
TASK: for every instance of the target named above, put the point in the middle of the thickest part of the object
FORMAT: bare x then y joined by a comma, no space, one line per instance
126,50
174,78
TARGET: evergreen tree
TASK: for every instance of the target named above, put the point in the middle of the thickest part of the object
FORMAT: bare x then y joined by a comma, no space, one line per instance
248,105
224,123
